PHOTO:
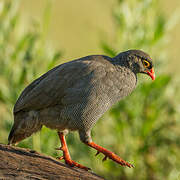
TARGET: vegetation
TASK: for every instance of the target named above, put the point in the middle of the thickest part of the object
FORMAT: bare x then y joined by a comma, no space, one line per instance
24,56
143,128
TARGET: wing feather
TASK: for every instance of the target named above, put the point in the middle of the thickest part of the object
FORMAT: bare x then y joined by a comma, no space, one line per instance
50,88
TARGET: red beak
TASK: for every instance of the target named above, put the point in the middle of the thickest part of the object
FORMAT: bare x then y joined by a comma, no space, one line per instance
151,73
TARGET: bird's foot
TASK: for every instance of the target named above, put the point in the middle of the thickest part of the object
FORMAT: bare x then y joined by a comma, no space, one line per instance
66,156
72,163
68,159
109,154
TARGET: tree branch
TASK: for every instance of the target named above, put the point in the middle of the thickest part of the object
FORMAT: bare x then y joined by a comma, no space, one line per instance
19,163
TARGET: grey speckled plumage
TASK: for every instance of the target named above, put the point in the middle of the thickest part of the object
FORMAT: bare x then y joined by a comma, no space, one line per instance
74,95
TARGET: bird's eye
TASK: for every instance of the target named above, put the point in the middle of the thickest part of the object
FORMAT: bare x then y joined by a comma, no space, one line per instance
146,64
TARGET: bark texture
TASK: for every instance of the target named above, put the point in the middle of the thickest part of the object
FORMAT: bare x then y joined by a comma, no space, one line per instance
19,163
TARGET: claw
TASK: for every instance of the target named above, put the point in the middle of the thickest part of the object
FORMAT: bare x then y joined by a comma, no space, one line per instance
66,156
59,149
60,158
75,164
131,166
97,153
104,159
109,154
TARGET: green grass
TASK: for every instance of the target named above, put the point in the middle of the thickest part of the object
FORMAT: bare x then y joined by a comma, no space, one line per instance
24,56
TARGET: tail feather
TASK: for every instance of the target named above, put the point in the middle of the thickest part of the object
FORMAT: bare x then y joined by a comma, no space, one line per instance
10,137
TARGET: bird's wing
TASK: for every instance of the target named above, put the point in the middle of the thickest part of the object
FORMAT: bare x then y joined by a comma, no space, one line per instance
49,89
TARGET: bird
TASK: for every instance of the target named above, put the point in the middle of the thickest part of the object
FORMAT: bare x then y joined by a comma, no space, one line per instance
74,95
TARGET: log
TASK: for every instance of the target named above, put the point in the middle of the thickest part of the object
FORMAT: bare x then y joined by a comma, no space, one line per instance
21,164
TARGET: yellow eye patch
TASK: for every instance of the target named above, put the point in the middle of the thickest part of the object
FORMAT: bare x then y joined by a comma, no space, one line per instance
146,63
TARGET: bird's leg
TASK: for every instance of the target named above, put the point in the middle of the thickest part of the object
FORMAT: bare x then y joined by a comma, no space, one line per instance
66,156
109,154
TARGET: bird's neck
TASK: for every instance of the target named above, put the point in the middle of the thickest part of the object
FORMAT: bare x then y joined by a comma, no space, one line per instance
121,60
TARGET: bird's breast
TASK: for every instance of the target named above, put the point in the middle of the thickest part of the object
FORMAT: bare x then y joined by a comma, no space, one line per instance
116,85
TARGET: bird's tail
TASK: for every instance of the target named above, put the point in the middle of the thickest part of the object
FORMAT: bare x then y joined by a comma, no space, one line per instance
11,135
25,124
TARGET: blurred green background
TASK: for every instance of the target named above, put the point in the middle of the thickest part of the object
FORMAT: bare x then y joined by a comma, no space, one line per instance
143,128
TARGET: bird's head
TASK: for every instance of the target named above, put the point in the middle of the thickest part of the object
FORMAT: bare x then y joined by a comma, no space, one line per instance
140,62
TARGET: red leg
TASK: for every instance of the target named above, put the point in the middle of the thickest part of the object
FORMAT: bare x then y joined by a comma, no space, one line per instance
66,156
109,154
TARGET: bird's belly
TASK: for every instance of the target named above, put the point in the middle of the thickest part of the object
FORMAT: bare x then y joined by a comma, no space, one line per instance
51,118
84,115
82,109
